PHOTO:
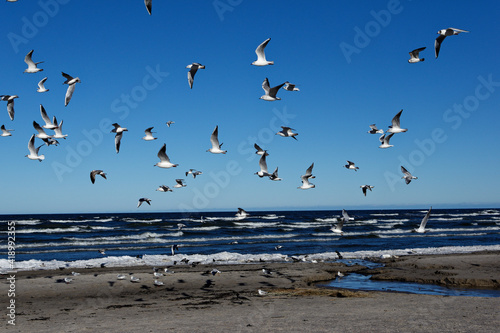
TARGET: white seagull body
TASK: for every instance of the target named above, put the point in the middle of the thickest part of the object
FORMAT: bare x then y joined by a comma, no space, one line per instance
375,130
305,183
214,139
41,132
134,279
31,64
10,104
193,68
350,165
414,56
41,87
194,173
149,135
338,228
118,137
263,167
48,123
261,56
141,200
274,175
443,33
94,173
5,132
164,159
384,139
179,183
396,127
33,155
163,188
407,175
71,82
58,130
287,132
270,93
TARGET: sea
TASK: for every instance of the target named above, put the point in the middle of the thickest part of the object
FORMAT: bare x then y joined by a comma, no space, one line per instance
50,241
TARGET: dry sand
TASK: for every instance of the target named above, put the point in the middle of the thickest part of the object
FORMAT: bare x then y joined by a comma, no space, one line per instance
193,300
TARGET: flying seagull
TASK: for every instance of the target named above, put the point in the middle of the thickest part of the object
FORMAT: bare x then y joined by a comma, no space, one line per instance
350,165
443,33
290,87
214,139
41,132
384,139
241,214
170,122
375,130
41,87
407,175
58,130
260,151
71,82
261,56
31,65
421,228
163,188
274,175
338,228
93,173
263,167
118,137
305,179
141,200
5,132
193,68
287,132
179,183
270,93
10,104
149,135
366,187
396,127
48,123
33,155
193,172
164,159
414,55
149,5
50,141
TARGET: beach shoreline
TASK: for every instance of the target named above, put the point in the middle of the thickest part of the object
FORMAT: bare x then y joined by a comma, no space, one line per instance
194,300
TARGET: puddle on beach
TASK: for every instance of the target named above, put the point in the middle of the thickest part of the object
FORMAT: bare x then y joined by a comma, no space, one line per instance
355,281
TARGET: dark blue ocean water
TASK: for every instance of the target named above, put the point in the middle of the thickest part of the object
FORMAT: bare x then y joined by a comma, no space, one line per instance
47,240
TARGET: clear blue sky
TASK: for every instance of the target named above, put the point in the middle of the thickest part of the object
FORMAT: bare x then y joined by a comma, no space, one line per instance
348,80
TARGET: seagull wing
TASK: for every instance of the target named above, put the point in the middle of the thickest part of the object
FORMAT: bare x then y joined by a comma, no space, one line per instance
214,138
118,139
395,120
31,145
265,86
424,220
148,131
387,138
41,83
406,172
415,53
162,154
149,5
345,216
274,90
10,109
191,75
29,61
69,93
458,30
263,164
38,128
45,118
309,171
67,77
437,44
261,56
92,175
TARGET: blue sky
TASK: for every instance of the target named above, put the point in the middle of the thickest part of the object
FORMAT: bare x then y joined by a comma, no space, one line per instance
349,60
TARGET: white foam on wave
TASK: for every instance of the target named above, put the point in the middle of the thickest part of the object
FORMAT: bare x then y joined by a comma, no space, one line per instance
255,224
48,230
23,222
201,228
272,217
132,220
388,214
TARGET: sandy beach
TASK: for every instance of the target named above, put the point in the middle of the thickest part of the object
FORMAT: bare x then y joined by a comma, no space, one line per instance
194,300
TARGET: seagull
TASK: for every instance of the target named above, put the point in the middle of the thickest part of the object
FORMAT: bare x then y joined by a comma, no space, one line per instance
443,33
290,87
266,271
149,134
71,82
75,273
384,139
305,183
141,200
41,132
395,128
164,159
58,131
215,271
149,5
263,168
41,87
338,228
262,292
270,93
5,132
170,122
93,173
102,251
193,68
407,175
121,277
174,248
48,124
180,226
260,151
339,274
157,274
68,280
10,104
134,279
158,283
31,65
287,132
214,139
350,165
241,214
308,173
179,183
375,130
366,187
50,141
414,55
274,175
163,188
277,247
421,228
118,137
193,172
261,56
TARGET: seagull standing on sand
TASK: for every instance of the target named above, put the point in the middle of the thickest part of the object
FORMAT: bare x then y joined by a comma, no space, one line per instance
71,82
10,104
93,173
31,65
366,187
290,87
164,159
179,183
263,167
261,56
274,175
396,127
270,93
414,56
41,87
33,155
134,279
214,139
350,165
5,132
48,123
407,175
287,132
193,68
443,33
163,188
375,130
118,137
260,151
141,200
384,139
421,228
149,134
149,5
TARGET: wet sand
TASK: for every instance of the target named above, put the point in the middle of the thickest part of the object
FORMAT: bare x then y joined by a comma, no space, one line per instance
194,300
